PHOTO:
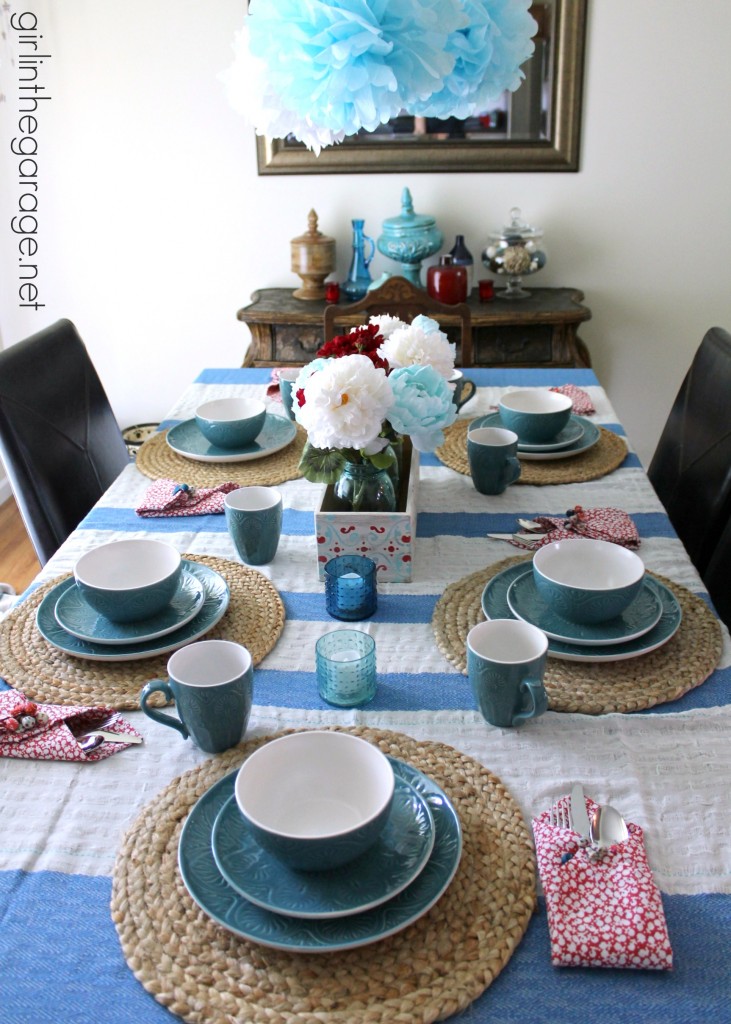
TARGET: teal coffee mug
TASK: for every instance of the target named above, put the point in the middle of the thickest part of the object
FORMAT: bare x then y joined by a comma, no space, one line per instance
506,659
492,454
212,684
287,377
462,388
254,520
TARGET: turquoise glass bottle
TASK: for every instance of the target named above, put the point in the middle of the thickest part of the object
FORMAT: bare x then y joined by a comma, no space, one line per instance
358,280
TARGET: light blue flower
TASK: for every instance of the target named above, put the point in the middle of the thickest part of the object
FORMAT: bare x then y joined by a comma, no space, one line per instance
427,325
423,406
488,53
352,64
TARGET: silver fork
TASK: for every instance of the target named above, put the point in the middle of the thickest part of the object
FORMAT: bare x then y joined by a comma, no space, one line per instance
109,720
561,815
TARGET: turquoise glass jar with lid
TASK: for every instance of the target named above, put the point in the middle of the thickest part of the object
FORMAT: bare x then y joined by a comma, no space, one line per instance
409,239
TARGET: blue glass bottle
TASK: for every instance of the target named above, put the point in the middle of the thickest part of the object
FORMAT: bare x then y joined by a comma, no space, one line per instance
359,279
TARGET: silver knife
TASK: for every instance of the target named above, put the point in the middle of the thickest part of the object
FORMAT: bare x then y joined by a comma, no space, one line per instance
579,816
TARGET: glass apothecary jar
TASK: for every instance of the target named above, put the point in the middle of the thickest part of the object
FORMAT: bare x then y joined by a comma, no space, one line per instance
515,251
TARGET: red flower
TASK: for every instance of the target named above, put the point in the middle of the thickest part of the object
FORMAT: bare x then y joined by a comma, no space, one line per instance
363,341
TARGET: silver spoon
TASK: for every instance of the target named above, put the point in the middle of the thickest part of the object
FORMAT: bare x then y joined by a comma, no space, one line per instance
607,828
91,740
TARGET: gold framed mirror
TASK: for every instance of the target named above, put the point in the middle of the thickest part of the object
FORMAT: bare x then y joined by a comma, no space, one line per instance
537,128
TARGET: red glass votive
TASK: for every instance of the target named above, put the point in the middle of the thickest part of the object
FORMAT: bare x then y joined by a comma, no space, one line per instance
487,291
332,292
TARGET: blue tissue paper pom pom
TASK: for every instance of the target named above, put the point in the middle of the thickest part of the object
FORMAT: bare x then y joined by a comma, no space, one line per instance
353,64
488,53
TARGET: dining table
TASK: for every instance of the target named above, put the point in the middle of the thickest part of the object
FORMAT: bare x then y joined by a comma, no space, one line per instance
96,922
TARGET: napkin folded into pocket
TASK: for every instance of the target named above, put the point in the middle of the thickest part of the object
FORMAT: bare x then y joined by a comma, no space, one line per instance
612,524
169,498
583,405
47,732
605,912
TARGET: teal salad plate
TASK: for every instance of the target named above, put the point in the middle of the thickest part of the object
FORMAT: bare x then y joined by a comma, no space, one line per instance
223,904
376,876
526,603
186,439
215,603
78,617
495,606
586,439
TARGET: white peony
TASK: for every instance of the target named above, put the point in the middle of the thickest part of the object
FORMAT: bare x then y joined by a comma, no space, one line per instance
387,324
421,343
345,404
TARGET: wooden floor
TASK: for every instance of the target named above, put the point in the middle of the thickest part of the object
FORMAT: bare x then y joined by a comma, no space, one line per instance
18,562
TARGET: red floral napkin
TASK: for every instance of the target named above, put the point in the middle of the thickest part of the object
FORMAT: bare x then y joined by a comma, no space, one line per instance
47,732
612,524
168,498
273,388
583,405
601,913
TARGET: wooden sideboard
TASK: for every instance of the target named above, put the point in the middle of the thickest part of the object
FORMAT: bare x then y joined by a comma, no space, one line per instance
538,331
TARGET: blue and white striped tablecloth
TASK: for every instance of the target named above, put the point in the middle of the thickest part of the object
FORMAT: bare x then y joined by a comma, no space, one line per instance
667,768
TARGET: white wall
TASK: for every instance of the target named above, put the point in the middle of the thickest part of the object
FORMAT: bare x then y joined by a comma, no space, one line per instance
155,227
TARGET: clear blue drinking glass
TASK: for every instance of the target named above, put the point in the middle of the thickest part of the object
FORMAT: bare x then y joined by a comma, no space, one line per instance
346,667
350,587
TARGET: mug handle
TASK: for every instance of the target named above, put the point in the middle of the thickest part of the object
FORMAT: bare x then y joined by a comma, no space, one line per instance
539,700
513,469
468,390
159,686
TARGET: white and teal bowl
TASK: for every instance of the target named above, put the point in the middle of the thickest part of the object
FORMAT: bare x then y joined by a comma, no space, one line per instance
587,581
315,799
535,415
129,580
231,422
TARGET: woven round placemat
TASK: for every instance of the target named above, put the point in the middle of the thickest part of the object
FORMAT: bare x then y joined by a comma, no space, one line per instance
254,618
157,460
663,675
607,455
432,969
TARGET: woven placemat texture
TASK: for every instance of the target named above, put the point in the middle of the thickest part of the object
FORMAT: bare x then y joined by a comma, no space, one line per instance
159,462
663,675
254,618
607,455
427,972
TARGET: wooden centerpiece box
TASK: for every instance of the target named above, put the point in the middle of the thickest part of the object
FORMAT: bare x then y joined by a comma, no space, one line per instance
386,537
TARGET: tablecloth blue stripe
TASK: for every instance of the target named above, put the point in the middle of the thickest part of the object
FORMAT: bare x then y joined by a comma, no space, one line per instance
482,376
391,607
441,691
91,981
296,523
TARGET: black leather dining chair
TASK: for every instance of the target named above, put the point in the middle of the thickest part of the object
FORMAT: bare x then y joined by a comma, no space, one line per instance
691,467
59,440
717,576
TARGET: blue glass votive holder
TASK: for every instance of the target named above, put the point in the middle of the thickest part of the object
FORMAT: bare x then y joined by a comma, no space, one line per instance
346,667
350,587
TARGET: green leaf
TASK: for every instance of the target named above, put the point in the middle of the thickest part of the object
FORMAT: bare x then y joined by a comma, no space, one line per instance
321,465
382,460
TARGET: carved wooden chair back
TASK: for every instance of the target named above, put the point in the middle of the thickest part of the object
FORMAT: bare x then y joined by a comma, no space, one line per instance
399,297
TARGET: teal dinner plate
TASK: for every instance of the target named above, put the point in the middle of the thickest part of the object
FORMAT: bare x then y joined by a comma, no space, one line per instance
215,603
186,439
223,904
587,439
569,435
495,606
77,617
526,603
376,876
